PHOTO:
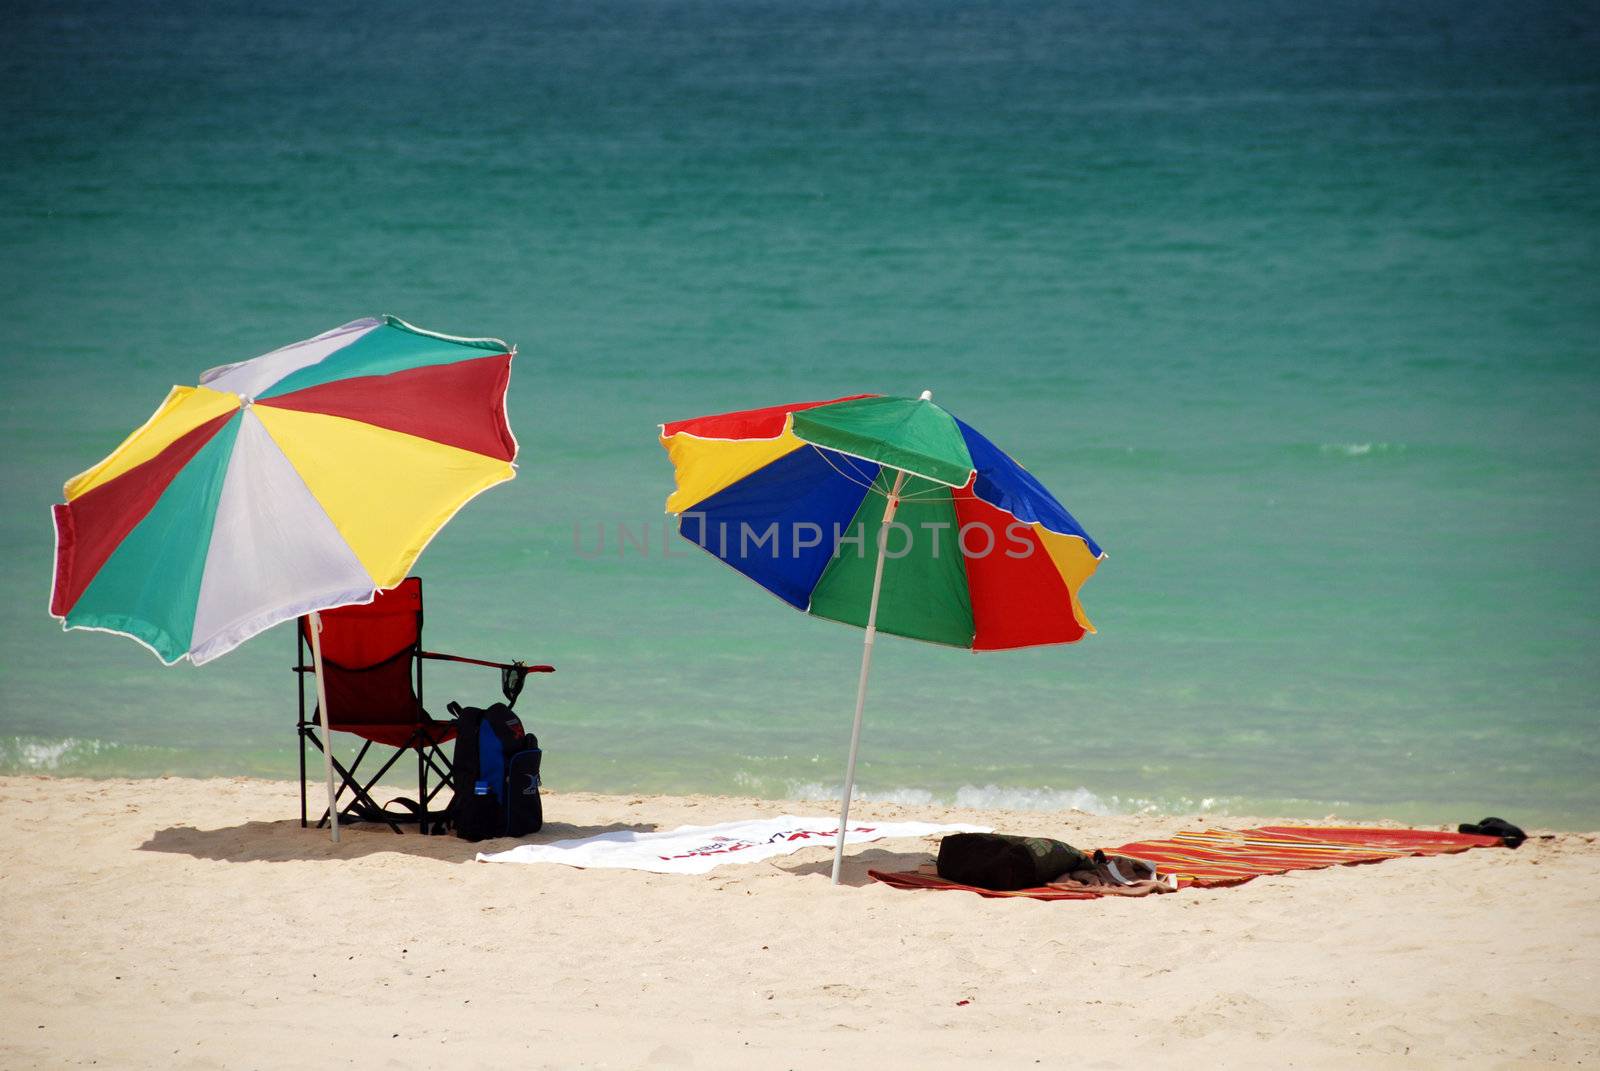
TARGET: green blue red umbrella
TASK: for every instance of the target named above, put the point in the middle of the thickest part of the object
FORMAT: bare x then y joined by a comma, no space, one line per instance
986,559
814,500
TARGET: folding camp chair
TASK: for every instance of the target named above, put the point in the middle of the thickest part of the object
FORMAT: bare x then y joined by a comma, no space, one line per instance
372,672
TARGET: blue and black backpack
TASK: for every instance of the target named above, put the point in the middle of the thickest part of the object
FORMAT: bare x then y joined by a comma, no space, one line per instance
496,775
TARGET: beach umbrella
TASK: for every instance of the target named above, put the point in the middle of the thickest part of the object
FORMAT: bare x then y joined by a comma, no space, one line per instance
886,513
307,478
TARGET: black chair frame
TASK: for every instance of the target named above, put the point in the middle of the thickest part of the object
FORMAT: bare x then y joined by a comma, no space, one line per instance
430,755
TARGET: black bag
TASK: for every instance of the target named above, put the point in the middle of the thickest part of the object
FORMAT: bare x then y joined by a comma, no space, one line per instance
1509,834
496,775
999,861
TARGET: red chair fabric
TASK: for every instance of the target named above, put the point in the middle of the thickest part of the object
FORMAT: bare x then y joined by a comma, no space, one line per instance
369,658
356,637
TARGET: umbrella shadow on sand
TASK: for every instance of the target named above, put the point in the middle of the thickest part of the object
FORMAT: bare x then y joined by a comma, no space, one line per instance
285,841
854,872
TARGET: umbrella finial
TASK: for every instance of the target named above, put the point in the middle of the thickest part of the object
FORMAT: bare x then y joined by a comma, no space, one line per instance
927,396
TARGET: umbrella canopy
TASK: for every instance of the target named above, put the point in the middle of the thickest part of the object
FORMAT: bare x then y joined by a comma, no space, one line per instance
307,478
794,497
812,500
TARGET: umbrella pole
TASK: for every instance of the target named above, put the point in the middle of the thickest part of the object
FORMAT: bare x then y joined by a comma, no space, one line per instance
866,665
327,727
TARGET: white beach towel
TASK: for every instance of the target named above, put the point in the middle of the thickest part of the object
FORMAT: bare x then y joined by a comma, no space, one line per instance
696,849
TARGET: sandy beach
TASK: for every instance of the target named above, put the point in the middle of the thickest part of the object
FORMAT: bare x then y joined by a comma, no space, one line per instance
192,923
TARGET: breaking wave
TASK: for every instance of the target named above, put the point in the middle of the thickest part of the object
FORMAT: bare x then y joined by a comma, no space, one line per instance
22,754
1006,798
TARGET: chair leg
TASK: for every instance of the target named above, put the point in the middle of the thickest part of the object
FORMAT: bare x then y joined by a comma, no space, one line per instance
366,789
375,778
362,793
300,718
422,795
361,755
302,735
441,769
431,757
348,780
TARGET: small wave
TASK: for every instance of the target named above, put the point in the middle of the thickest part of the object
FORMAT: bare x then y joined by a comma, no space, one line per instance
993,797
23,754
816,790
1176,805
1360,449
972,797
1010,798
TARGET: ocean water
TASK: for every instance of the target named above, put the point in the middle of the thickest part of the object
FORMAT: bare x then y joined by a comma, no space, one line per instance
1294,306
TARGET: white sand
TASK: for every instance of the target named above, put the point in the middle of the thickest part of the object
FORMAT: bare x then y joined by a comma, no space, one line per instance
194,924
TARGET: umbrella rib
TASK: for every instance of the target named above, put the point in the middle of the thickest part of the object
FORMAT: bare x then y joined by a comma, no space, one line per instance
854,477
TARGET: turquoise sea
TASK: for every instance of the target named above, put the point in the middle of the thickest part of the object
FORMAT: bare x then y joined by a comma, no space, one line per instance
1295,307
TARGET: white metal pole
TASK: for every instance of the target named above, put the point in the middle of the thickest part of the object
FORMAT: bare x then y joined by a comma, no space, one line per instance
866,664
327,728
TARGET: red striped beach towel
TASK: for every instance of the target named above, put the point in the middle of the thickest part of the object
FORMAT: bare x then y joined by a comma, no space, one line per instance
1211,858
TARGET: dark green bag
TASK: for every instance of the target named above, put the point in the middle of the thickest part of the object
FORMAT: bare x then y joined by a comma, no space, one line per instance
1000,861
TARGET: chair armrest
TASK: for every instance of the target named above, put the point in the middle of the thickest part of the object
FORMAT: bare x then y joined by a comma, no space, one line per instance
481,662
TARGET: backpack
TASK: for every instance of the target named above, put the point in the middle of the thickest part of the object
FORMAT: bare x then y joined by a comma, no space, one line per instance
1000,861
1509,834
496,775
